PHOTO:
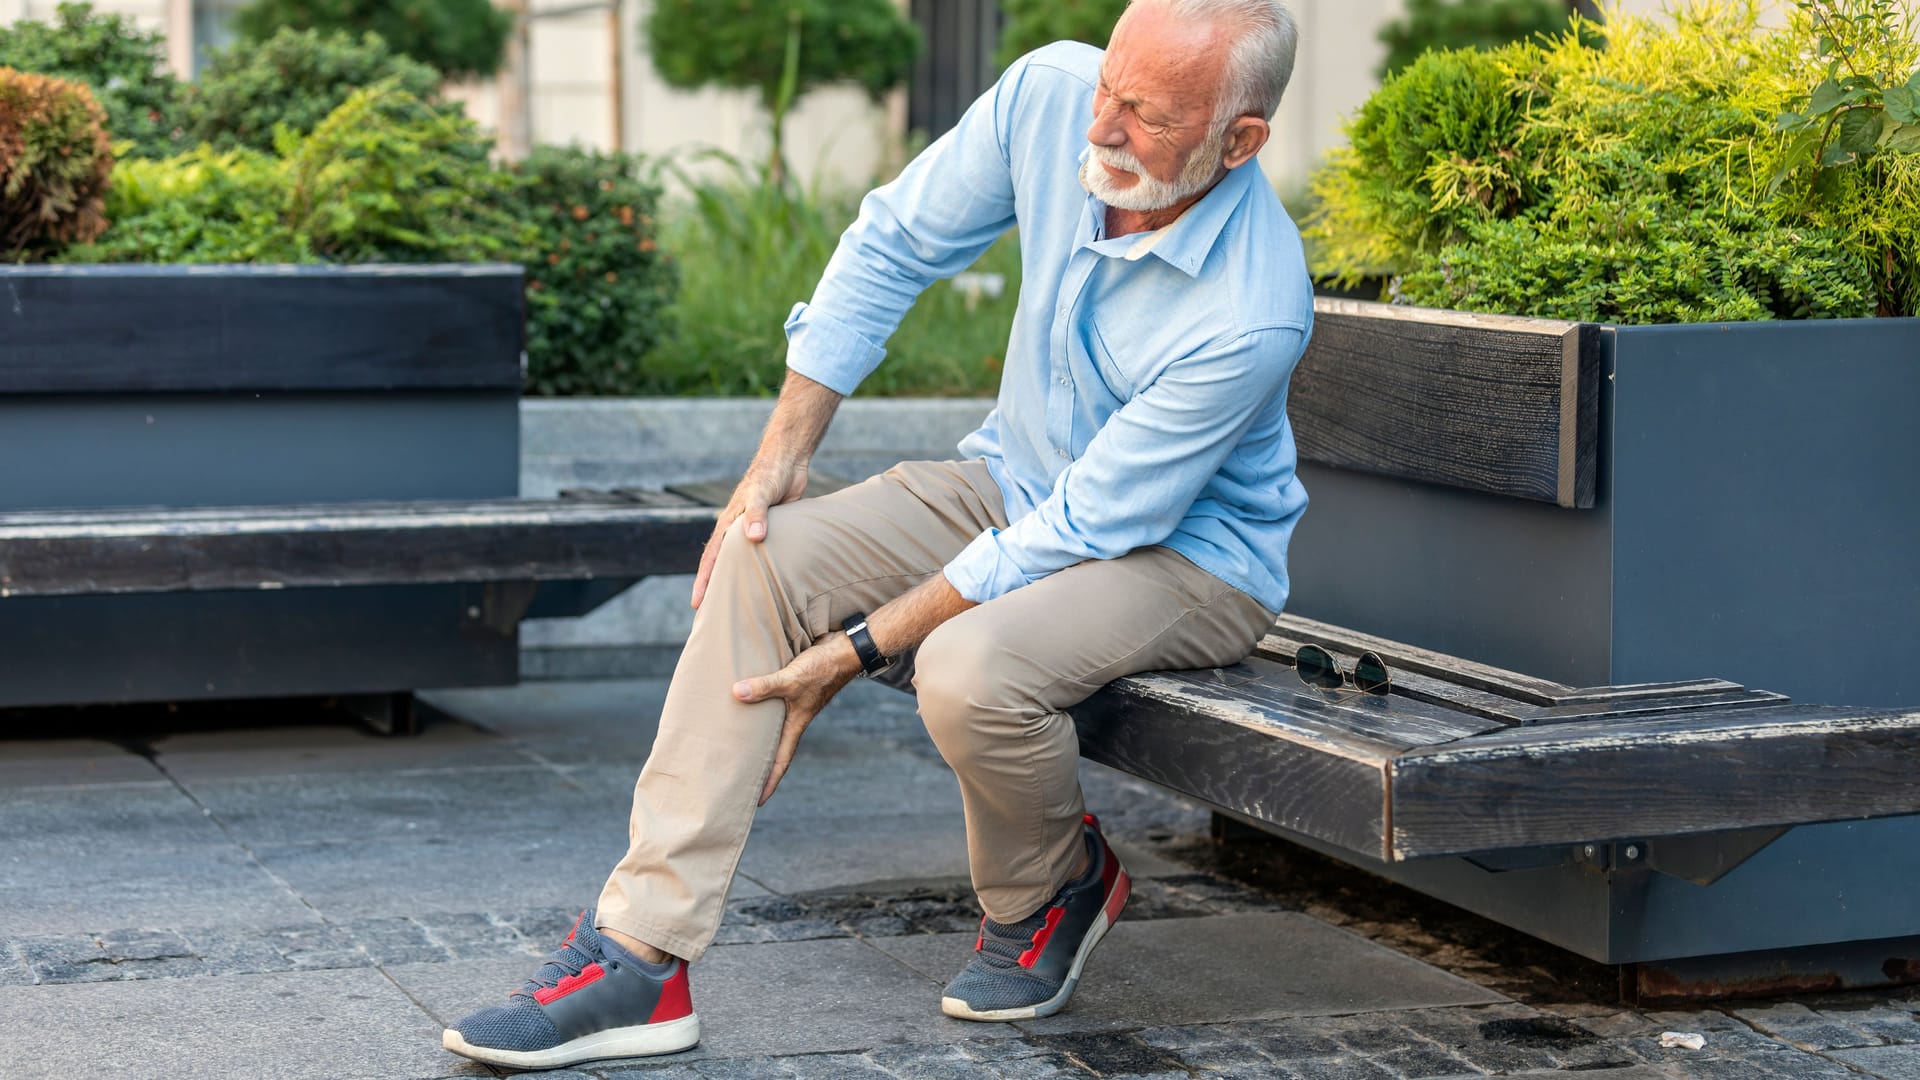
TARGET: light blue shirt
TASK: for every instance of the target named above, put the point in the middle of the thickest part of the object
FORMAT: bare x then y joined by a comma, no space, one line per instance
1143,397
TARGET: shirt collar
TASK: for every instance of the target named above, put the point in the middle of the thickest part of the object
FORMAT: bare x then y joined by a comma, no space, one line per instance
1185,243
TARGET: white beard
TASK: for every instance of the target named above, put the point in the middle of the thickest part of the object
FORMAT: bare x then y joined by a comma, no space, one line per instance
1147,193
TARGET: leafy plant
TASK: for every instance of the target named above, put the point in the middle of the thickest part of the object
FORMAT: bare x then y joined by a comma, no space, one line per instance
384,178
748,248
54,164
387,177
598,285
123,65
198,207
1853,144
1635,185
1032,23
458,38
1467,24
1437,148
781,49
295,78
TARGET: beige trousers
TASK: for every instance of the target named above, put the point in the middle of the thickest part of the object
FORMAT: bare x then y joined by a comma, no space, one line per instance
994,684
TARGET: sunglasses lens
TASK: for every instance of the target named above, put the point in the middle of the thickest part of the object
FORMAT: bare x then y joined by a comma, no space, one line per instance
1370,673
1316,667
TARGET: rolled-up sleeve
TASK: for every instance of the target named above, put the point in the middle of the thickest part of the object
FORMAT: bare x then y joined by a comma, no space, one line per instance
1142,472
946,208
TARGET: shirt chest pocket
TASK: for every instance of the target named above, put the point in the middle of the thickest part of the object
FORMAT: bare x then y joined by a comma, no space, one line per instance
1113,367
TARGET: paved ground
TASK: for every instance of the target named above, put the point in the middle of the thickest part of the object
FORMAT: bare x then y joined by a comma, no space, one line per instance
271,893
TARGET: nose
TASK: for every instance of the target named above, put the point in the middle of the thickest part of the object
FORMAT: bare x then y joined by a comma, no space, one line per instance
1105,129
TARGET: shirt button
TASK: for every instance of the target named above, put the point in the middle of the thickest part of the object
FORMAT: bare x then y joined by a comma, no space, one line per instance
1064,381
1062,453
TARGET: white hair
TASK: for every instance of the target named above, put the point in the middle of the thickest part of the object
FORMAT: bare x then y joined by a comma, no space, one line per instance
1261,62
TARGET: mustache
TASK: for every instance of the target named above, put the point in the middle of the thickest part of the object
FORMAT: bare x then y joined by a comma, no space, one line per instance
1119,159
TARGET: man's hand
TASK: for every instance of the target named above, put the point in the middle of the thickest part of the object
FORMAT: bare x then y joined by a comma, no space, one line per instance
765,485
806,685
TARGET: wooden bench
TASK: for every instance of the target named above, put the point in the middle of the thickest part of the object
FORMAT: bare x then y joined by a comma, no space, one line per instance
1460,758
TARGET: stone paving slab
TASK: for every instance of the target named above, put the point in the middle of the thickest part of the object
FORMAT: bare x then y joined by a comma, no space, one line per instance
59,893
320,1025
461,805
1220,968
571,723
868,848
348,879
60,762
256,753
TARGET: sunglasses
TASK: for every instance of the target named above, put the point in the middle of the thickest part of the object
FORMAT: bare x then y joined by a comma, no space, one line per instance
1317,668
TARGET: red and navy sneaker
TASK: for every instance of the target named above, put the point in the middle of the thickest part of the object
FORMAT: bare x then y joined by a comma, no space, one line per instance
1029,969
582,1005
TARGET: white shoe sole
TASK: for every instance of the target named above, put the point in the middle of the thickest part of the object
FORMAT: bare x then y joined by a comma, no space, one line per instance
641,1040
1109,913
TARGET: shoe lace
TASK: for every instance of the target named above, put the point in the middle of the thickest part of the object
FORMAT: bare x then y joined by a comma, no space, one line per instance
1001,944
569,961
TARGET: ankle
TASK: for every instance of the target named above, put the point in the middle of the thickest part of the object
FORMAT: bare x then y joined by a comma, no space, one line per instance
637,947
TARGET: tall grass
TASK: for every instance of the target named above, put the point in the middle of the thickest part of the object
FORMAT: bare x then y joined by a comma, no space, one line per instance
747,249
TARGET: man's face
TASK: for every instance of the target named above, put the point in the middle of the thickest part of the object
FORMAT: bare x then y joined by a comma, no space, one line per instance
1154,139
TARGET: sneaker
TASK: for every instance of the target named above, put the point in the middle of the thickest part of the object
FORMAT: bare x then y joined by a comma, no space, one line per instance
582,1005
1029,969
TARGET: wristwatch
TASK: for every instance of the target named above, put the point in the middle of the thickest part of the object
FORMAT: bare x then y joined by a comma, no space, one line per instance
871,662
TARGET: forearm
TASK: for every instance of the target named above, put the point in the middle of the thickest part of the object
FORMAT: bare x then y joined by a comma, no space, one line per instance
798,423
902,623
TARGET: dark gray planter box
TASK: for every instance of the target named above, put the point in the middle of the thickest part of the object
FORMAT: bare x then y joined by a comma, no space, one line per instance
247,385
1601,504
1607,505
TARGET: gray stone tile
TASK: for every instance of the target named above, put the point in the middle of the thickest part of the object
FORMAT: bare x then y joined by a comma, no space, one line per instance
1227,967
508,870
376,805
1887,1062
321,1025
856,851
116,887
123,817
785,998
609,722
344,747
33,763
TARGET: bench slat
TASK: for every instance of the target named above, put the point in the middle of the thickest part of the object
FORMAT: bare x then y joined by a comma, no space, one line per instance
78,553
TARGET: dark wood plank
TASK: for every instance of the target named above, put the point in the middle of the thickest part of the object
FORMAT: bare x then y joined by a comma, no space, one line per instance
216,329
1496,692
1490,403
1215,747
346,545
1661,776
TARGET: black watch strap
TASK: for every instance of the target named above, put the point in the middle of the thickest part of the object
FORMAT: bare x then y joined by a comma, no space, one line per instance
871,662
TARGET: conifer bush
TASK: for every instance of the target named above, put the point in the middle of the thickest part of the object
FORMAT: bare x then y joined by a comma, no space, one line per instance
54,164
1674,175
123,65
294,78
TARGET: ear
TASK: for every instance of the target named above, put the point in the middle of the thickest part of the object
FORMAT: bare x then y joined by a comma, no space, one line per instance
1245,136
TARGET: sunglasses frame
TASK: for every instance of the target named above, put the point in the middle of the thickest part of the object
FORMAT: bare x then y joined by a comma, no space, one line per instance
1347,676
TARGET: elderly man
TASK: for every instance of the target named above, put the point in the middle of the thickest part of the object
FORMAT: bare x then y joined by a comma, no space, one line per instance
1126,507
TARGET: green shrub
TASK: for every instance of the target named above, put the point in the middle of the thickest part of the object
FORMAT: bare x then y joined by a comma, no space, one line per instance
781,49
1466,24
198,207
295,77
1032,23
458,38
384,178
54,164
747,249
598,285
1849,159
1436,149
387,177
123,65
1636,184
